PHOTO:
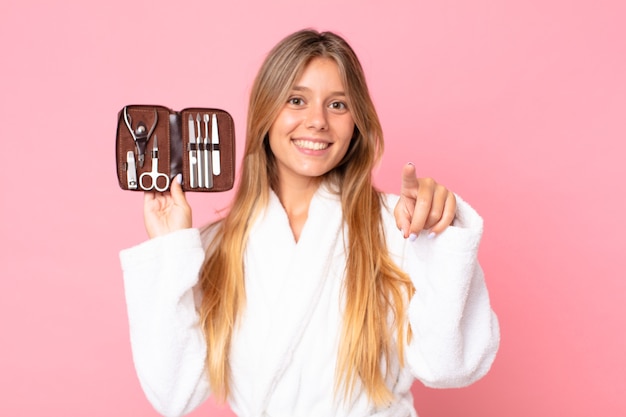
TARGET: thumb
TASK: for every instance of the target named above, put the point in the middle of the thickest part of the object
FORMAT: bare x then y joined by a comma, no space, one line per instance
409,181
180,202
176,189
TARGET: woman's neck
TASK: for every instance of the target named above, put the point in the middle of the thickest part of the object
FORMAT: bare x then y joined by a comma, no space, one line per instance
295,197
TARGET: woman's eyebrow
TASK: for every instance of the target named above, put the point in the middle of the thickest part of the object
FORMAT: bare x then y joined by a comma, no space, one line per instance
306,89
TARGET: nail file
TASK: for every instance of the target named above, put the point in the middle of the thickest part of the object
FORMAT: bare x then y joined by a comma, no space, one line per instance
208,172
193,183
199,153
215,142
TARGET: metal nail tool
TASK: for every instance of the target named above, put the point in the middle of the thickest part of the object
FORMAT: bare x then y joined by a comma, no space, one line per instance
140,135
215,142
154,174
208,174
193,180
199,152
131,171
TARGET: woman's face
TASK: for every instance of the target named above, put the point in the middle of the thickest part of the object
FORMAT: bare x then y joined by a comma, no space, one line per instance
312,132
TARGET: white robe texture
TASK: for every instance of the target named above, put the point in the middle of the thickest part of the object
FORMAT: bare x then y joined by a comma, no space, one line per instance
284,351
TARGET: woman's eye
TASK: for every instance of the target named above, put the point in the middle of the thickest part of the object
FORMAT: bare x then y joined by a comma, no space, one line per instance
296,101
338,105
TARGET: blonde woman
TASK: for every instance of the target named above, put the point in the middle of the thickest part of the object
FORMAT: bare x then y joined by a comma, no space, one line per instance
316,294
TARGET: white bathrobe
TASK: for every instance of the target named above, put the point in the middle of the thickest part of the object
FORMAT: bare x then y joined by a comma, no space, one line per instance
284,351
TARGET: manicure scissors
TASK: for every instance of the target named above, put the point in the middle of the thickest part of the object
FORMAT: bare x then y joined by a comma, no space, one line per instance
154,175
141,135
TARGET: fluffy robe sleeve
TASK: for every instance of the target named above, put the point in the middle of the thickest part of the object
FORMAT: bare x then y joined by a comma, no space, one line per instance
167,343
455,332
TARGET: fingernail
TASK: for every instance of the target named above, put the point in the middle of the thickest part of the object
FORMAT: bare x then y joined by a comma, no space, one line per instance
412,237
431,235
410,163
179,178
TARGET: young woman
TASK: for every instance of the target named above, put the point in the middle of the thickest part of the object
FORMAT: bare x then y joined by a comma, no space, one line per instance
316,295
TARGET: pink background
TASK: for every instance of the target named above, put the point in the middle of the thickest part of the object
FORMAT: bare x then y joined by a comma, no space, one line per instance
519,106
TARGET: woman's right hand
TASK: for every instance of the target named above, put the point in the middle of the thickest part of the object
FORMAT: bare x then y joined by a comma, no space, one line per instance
166,212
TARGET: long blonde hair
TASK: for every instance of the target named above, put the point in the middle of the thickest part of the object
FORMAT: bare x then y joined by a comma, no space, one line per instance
376,290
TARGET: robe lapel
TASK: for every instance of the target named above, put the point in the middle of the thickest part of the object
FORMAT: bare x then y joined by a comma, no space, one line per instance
296,286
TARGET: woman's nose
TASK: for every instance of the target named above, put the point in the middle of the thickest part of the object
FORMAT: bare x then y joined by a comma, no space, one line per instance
317,117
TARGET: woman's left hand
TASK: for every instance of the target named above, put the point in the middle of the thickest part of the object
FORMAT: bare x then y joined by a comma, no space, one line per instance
423,205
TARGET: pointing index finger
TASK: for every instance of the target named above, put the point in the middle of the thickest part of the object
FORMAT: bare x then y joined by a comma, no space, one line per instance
409,181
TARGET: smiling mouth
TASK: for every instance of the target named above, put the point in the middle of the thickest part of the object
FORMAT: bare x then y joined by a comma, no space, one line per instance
309,144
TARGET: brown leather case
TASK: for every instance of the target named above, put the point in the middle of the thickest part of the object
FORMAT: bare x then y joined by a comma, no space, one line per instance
176,153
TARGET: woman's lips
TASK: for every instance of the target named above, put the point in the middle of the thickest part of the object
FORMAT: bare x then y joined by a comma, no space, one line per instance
312,145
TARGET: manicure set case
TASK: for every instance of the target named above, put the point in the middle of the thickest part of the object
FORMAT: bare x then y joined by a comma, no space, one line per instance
154,143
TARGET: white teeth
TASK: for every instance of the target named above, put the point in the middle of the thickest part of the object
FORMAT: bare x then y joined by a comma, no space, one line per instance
308,144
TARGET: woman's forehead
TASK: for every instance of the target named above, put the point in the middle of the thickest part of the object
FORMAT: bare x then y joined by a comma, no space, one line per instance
318,70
